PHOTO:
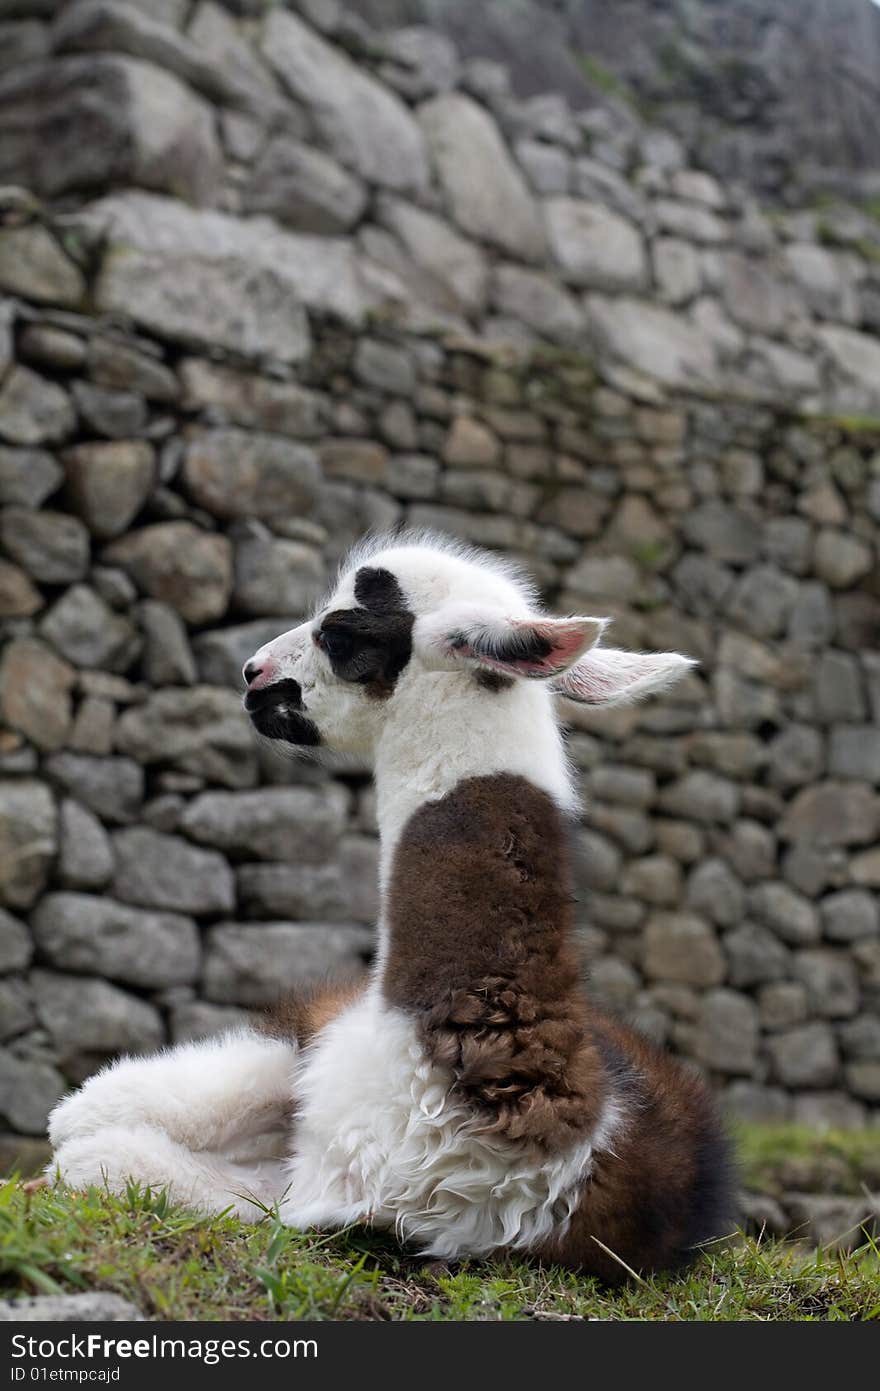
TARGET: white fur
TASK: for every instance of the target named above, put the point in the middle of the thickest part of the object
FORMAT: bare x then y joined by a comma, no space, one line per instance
380,1133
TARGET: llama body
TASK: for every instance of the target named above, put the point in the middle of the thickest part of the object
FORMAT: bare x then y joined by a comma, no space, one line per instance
467,1096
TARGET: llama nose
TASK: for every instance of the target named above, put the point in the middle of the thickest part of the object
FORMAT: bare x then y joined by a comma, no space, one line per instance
251,671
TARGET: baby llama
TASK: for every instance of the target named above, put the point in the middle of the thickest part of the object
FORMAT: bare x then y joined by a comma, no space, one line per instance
467,1095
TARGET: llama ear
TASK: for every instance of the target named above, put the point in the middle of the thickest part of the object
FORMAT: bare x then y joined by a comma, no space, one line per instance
607,676
538,648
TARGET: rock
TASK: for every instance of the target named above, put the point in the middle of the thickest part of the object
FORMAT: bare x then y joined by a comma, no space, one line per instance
27,840
855,752
272,575
677,270
833,1222
631,787
85,855
865,868
596,863
34,410
470,444
726,532
232,473
782,1004
538,301
860,1038
165,872
831,983
760,1214
114,414
788,542
179,564
682,947
27,476
384,367
362,461
805,1056
714,890
304,188
51,547
35,690
812,618
222,652
256,402
420,62
484,190
547,168
754,955
654,879
168,660
840,559
832,813
52,347
113,788
256,964
29,1089
117,364
306,892
594,247
856,356
89,634
788,914
89,121
92,730
302,824
33,265
863,1078
81,932
450,258
653,340
366,127
850,915
195,1019
763,600
753,297
727,1033
109,483
797,756
837,688
28,1157
747,1102
89,1016
702,796
96,1307
613,984
16,947
208,278
200,731
822,281
690,222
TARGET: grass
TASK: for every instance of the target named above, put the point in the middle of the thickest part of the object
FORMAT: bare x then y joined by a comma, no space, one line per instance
175,1265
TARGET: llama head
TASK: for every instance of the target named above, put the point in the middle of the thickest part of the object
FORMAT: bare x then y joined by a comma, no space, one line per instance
408,611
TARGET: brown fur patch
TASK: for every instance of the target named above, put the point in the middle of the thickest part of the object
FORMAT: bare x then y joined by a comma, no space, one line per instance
666,1184
304,1013
480,918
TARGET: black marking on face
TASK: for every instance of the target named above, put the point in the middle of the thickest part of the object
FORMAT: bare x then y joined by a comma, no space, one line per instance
276,712
370,645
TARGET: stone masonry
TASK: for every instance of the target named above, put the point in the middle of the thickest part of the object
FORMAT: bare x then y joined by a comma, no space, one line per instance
269,280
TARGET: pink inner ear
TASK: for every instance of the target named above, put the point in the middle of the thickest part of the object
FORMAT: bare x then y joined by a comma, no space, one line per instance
566,641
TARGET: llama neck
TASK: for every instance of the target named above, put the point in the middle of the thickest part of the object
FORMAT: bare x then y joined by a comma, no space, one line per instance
445,731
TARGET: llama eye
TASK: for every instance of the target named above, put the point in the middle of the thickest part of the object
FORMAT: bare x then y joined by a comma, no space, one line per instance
337,645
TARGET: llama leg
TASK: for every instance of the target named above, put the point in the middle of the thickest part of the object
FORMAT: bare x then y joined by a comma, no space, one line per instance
209,1120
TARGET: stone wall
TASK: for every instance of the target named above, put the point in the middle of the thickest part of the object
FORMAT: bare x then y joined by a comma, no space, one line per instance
257,297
